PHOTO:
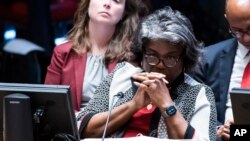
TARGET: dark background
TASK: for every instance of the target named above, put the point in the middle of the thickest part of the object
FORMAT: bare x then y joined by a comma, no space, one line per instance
41,21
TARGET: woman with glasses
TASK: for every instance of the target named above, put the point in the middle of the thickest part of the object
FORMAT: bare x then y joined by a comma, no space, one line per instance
155,97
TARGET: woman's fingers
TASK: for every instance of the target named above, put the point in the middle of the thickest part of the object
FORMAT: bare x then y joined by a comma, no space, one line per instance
140,85
148,82
140,77
155,75
150,76
141,98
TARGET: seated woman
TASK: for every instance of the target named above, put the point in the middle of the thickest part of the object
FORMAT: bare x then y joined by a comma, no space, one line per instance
161,101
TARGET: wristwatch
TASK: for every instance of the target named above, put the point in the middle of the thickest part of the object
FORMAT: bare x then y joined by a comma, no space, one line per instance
169,111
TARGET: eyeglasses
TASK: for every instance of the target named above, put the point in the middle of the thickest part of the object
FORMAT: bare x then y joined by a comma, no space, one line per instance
239,34
168,61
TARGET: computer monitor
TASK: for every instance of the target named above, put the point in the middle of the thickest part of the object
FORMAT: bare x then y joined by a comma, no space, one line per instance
58,117
240,99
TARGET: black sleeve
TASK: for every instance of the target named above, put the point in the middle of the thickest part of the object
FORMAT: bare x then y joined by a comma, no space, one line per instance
85,122
189,132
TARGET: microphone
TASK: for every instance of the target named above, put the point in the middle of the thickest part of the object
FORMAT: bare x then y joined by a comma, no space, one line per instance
119,95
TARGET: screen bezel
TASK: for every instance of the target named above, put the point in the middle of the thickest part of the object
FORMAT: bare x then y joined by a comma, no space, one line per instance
240,100
59,113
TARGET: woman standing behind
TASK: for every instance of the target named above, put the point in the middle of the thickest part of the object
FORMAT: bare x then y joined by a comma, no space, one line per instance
98,40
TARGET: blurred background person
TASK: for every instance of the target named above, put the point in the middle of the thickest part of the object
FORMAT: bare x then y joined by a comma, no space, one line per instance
225,62
98,40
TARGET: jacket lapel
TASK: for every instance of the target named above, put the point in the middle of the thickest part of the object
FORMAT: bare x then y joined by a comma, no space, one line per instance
226,66
79,71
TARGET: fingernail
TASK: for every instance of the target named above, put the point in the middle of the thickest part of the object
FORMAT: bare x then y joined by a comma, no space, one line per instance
164,80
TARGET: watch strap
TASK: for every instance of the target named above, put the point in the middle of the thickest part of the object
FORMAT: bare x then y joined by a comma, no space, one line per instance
164,112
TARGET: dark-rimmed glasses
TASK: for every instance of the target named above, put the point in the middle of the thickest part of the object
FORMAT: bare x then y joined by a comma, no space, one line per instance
168,61
239,34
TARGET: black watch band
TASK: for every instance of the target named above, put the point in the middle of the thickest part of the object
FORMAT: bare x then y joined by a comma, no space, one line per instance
169,111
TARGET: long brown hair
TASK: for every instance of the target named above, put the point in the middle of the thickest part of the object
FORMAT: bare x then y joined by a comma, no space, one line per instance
125,29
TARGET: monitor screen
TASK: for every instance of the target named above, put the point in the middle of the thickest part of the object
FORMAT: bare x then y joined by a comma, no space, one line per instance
58,116
240,100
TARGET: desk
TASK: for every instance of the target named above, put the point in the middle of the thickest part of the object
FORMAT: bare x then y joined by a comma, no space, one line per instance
138,138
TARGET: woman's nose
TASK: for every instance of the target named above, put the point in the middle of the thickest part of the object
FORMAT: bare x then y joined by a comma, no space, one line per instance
107,3
161,65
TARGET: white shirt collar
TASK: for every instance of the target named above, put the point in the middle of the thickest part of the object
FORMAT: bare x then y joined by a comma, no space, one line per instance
243,50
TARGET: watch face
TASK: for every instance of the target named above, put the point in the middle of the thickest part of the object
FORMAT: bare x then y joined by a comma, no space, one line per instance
171,110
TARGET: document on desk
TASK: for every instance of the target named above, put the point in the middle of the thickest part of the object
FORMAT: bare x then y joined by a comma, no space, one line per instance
138,138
